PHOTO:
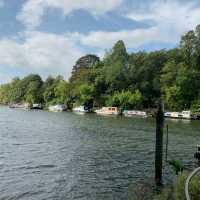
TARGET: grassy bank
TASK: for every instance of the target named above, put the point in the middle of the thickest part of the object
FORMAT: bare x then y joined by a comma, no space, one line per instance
175,191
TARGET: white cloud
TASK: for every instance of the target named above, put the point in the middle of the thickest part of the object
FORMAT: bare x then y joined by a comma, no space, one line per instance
172,18
168,21
47,53
132,38
33,10
40,52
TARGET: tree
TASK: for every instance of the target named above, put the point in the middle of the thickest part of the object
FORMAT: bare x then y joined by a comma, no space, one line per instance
62,93
187,45
33,92
16,92
115,67
144,74
173,98
87,94
126,99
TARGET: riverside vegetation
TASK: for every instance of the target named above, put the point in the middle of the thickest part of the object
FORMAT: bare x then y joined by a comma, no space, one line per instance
177,192
135,80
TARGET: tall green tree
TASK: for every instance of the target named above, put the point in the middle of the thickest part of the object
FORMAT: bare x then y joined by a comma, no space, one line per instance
187,45
115,66
32,85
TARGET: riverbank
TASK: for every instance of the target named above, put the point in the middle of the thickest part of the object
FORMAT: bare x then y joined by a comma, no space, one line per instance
173,191
184,115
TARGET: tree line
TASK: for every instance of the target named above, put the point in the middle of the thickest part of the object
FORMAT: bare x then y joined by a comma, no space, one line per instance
129,81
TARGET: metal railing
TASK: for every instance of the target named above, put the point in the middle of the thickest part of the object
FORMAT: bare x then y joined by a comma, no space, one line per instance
189,178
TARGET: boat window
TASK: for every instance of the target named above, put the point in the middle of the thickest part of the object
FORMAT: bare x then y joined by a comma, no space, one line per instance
113,108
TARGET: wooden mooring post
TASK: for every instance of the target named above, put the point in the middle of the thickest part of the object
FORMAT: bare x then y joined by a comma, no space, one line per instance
167,143
159,144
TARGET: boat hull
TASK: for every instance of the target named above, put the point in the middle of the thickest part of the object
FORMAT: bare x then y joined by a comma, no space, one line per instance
180,115
135,114
106,113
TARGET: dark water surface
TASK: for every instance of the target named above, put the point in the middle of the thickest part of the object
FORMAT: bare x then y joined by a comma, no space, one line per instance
62,156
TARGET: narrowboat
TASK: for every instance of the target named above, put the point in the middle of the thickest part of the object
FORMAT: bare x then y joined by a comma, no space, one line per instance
108,111
132,113
180,115
20,105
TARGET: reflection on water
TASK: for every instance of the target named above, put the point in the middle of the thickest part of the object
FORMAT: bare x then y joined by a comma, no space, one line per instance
186,121
63,156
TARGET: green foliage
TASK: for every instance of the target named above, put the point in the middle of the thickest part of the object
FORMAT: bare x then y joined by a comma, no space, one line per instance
126,99
115,67
33,92
57,91
62,92
194,187
177,166
86,95
172,97
196,106
144,74
180,86
188,48
177,192
26,90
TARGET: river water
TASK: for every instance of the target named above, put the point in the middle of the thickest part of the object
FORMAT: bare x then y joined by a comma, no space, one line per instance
63,156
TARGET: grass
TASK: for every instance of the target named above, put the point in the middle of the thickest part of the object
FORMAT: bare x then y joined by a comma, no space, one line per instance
147,191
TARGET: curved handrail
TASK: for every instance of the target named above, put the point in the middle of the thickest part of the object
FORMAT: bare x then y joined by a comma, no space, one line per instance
188,181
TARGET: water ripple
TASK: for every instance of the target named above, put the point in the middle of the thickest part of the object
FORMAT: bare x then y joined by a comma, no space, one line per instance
59,156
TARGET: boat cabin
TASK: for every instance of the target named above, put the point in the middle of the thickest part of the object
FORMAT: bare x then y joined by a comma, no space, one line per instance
179,115
108,111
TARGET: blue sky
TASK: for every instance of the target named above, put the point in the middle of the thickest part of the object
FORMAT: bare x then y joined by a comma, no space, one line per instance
48,36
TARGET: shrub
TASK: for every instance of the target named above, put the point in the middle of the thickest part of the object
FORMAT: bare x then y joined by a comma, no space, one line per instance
194,187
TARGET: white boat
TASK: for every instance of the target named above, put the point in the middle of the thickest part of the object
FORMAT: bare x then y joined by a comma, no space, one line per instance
108,111
81,109
37,106
180,115
20,105
57,108
130,113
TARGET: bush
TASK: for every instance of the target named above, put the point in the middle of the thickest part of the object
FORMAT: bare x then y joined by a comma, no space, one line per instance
147,191
194,187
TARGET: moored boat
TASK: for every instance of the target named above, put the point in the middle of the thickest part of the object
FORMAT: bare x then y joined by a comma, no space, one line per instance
36,106
131,113
20,105
108,111
57,108
81,109
180,115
